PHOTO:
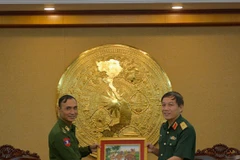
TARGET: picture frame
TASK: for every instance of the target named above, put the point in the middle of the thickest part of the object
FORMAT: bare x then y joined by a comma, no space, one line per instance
121,148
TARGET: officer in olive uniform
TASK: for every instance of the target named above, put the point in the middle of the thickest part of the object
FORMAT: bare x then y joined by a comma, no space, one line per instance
177,136
62,142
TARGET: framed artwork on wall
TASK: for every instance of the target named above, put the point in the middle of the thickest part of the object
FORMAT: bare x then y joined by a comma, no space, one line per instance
130,148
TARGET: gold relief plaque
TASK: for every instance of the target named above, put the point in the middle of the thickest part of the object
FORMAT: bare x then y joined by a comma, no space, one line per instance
118,89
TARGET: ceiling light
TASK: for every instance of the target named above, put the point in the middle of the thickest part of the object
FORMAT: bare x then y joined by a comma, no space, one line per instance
49,8
177,7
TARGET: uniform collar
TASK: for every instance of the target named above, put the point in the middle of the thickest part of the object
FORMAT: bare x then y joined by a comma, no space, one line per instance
176,123
65,126
179,119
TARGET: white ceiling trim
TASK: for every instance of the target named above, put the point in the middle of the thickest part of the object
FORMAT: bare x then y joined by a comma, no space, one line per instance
110,1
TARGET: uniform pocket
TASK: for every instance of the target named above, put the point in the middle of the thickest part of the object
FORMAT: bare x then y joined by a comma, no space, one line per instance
171,144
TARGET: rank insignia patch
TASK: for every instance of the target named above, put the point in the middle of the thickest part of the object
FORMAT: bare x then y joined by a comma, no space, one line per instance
183,125
67,142
66,127
174,126
63,130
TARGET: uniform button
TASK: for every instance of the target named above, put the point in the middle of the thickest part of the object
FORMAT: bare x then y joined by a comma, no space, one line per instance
164,144
167,132
161,154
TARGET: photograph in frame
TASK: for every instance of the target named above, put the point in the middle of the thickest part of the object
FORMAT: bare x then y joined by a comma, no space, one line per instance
130,148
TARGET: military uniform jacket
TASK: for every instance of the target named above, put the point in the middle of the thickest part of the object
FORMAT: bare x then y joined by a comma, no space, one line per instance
63,144
177,140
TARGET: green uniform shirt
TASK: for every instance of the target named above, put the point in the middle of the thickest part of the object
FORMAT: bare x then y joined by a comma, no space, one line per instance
63,144
178,140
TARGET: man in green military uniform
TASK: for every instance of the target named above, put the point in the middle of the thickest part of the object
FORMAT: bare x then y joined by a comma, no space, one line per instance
62,142
177,136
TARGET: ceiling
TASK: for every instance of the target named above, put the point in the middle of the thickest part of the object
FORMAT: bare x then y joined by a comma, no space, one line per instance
76,5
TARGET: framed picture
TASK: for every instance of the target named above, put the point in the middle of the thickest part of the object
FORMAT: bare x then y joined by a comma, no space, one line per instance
122,149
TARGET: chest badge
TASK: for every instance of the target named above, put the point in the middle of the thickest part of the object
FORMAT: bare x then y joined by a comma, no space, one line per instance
173,138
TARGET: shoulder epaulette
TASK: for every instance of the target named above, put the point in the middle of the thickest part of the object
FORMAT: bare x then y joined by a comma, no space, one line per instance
183,125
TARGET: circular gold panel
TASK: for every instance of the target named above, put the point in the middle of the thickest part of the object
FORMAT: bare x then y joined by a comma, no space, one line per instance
118,89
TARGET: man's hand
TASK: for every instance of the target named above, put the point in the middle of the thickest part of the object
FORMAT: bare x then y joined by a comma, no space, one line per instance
94,147
152,149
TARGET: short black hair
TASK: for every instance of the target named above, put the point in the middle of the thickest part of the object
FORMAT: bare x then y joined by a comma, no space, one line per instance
175,95
64,99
